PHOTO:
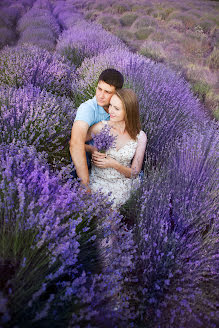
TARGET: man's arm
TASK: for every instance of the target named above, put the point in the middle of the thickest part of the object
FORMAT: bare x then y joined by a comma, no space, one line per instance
77,150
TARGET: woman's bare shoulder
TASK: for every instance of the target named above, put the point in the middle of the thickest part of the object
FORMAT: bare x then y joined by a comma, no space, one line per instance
96,128
142,136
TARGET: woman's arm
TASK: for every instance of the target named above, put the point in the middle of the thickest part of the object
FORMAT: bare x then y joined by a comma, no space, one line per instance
139,154
128,172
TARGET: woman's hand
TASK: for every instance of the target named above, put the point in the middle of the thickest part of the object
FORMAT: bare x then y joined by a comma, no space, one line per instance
102,160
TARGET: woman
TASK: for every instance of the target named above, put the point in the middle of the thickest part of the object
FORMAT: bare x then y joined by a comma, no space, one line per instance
115,171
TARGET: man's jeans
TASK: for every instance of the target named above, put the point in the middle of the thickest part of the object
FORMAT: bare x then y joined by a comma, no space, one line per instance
88,157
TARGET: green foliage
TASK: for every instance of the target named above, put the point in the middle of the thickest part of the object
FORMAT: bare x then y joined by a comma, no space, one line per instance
143,33
137,7
108,22
162,13
200,89
216,113
72,55
175,24
215,19
189,21
125,35
100,7
128,19
216,37
153,50
212,101
213,59
158,35
91,15
206,25
23,264
120,8
149,10
145,21
195,49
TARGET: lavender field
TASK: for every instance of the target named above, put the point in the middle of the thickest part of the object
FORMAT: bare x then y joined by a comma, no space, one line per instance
66,258
183,35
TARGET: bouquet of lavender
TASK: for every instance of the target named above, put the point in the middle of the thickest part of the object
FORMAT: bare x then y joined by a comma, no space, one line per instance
104,139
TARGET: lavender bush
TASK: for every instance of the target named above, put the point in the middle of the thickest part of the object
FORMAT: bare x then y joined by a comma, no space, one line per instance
175,228
7,36
38,237
85,40
47,244
38,18
38,36
110,304
153,50
39,118
38,26
67,19
42,4
27,64
66,14
9,15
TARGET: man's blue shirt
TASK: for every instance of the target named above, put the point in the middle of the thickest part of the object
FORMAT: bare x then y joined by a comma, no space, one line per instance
91,112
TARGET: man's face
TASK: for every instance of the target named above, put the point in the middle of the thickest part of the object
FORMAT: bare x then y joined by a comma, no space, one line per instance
104,92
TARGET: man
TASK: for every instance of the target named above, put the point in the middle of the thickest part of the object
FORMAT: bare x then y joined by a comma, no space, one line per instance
91,112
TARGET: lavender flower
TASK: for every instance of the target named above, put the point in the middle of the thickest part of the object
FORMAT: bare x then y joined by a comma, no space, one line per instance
29,64
39,118
85,40
104,140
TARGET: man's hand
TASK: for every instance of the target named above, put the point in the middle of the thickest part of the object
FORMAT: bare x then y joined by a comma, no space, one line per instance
91,149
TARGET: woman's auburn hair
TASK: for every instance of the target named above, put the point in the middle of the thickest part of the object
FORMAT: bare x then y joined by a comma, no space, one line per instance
131,107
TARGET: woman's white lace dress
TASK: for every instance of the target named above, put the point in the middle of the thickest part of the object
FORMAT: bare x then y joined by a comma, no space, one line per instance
109,180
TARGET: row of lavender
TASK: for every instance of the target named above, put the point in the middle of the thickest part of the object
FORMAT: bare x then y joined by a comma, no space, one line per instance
39,26
163,270
10,13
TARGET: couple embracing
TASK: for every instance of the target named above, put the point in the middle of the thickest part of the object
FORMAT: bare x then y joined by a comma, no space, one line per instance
116,170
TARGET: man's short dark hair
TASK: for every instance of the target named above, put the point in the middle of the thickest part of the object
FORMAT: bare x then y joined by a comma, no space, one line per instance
113,77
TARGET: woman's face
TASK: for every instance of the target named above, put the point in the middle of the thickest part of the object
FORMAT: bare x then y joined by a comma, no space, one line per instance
116,110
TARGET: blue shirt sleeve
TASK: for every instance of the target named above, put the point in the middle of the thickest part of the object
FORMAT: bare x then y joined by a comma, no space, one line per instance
85,113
